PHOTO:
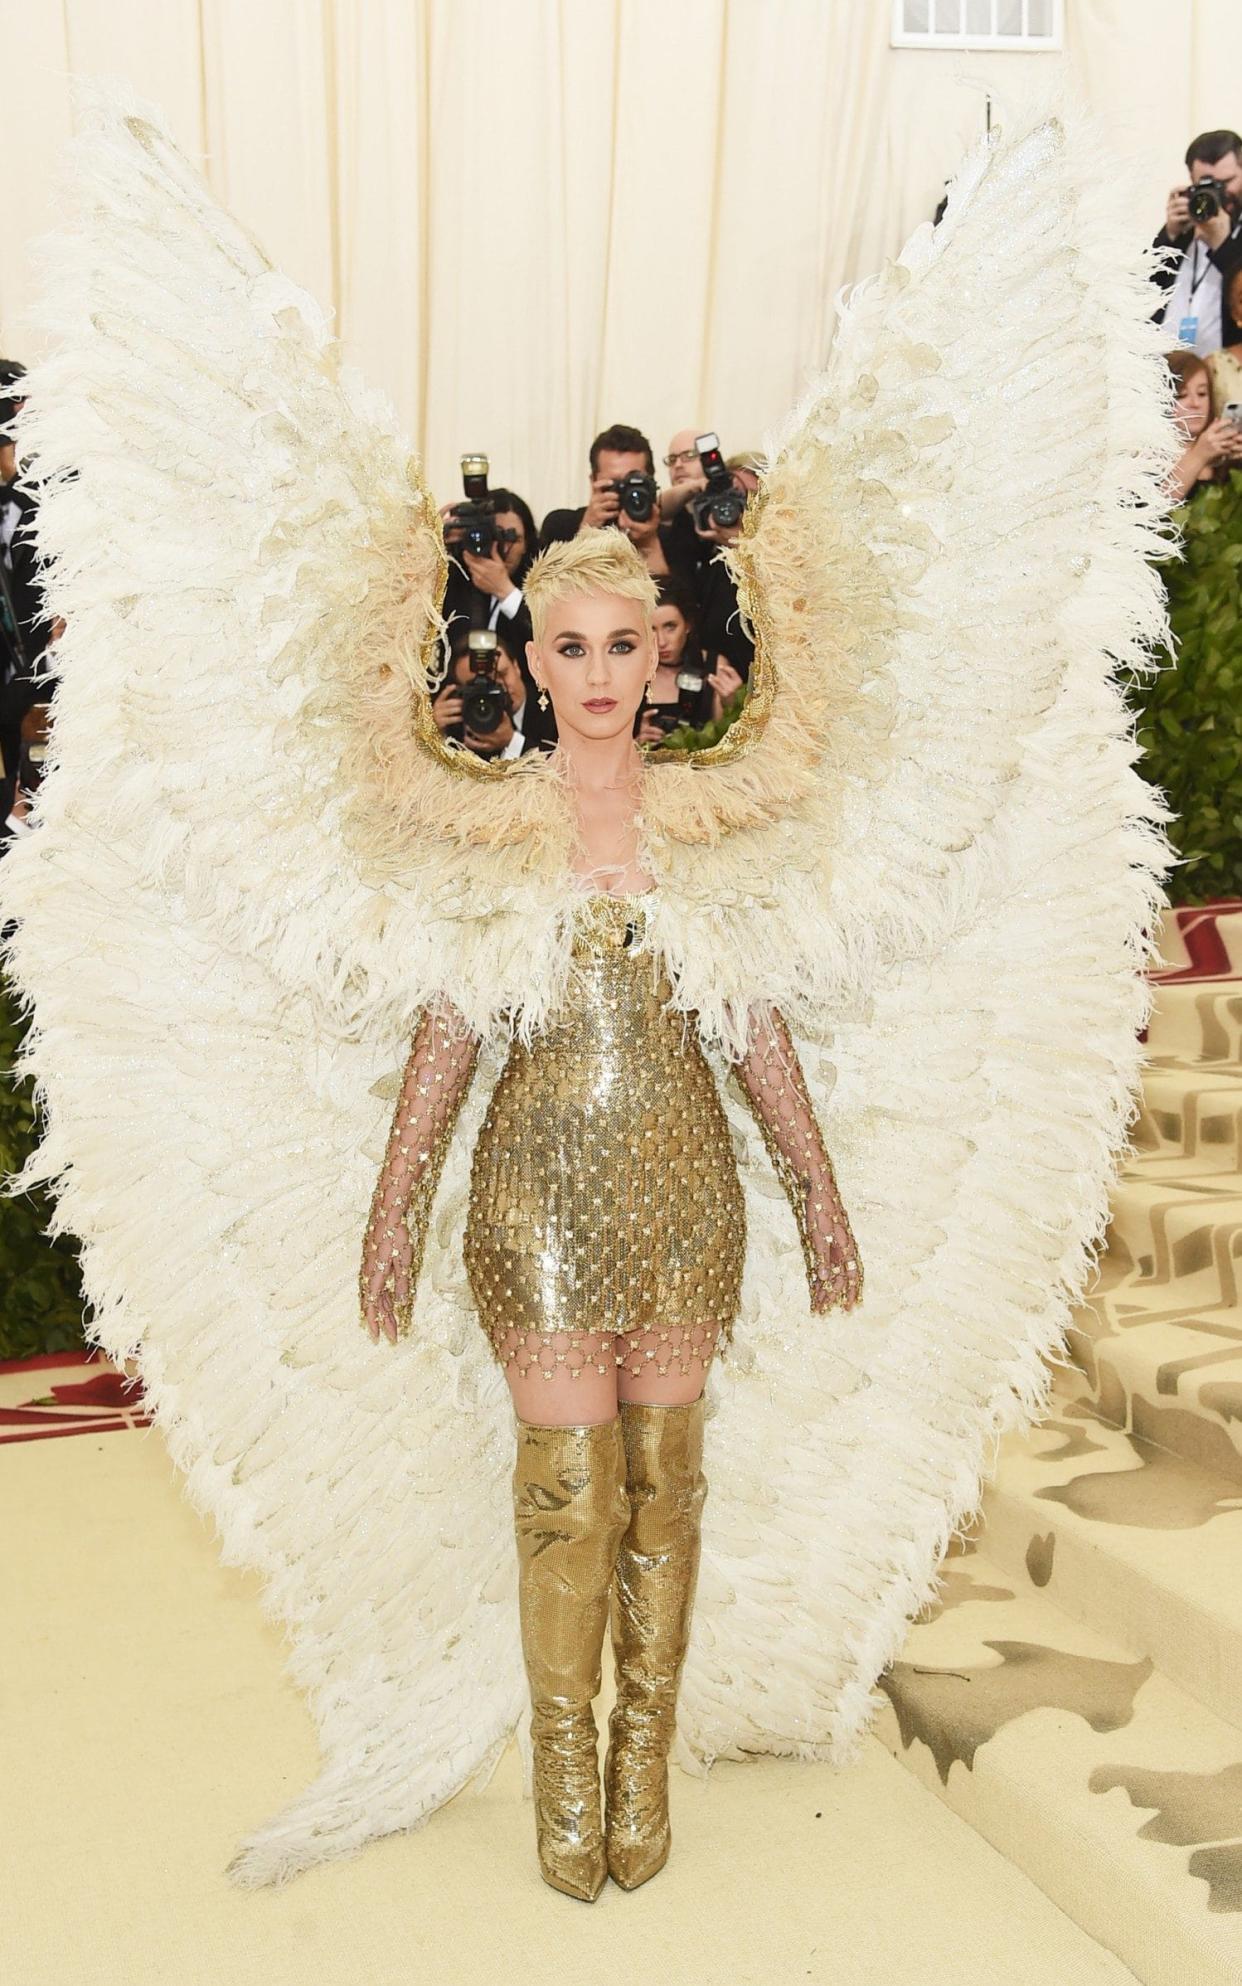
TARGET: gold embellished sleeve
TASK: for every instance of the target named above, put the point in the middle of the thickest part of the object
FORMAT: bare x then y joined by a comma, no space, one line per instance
772,1081
442,1058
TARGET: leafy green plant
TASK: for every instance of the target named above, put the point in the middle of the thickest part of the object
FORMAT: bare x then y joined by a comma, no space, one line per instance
41,1298
1190,713
689,739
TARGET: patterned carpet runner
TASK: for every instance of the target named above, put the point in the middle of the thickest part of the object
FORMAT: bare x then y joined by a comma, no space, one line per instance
1076,1691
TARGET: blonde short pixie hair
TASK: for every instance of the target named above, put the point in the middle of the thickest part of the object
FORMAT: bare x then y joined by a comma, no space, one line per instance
597,561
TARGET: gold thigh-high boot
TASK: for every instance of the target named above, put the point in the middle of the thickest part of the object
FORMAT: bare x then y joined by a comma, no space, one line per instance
570,1508
652,1606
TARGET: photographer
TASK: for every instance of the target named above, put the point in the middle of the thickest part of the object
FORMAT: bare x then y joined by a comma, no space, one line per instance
716,513
622,476
1214,447
687,548
685,472
1225,366
491,542
487,701
1204,222
663,548
681,691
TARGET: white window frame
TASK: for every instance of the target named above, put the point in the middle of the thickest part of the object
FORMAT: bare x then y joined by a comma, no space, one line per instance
1017,44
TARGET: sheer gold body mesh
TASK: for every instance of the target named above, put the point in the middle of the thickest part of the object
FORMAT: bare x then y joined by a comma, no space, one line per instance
604,1197
606,1222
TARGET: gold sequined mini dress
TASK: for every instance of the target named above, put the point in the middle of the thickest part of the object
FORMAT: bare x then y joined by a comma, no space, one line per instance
604,1195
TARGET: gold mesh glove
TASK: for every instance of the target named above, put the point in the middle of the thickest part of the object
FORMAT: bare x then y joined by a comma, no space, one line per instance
771,1080
443,1054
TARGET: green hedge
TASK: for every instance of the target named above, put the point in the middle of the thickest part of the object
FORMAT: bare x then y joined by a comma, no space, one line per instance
41,1300
1190,713
687,739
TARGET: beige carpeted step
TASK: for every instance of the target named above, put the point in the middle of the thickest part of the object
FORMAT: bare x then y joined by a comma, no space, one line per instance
1120,1532
1066,1748
1175,1381
1190,1124
1196,1021
1166,1231
1160,1336
1077,1692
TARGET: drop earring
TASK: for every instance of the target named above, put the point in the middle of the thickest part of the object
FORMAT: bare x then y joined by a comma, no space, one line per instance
543,699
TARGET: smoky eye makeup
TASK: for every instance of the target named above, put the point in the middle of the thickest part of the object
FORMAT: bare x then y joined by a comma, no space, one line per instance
565,642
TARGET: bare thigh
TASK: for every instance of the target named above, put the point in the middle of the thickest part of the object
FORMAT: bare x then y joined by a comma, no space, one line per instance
576,1378
561,1378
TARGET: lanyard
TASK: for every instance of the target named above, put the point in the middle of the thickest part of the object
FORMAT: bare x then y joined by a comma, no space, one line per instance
1195,280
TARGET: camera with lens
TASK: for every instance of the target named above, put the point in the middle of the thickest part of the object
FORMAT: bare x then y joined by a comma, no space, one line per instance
721,503
672,715
1205,199
689,689
484,698
639,495
471,526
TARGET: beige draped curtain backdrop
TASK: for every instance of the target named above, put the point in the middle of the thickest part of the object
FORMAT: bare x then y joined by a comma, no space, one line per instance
536,218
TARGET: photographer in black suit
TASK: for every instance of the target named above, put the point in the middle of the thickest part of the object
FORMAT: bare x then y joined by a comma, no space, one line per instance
619,456
625,493
492,543
1204,222
488,701
715,511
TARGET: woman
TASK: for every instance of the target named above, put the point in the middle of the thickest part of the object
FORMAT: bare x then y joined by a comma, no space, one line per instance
604,1247
1213,446
674,626
1225,366
915,802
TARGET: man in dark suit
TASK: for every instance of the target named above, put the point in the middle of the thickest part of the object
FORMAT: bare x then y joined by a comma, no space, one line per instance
615,454
525,727
485,591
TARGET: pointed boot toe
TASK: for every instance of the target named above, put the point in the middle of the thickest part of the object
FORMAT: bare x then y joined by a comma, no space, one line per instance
570,1509
637,1834
652,1604
568,1821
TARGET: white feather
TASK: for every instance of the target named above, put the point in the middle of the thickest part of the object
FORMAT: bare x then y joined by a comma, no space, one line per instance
956,920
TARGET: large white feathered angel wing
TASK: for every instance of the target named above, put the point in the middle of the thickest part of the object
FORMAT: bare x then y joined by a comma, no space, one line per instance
949,569
251,866
221,1005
